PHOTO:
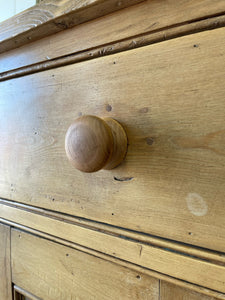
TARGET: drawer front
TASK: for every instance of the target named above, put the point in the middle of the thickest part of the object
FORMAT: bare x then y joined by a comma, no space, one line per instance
42,269
52,271
170,99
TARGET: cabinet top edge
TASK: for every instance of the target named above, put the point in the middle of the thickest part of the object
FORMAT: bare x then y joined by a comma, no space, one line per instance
51,16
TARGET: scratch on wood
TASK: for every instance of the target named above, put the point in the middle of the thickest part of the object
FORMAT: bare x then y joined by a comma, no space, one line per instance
123,178
140,250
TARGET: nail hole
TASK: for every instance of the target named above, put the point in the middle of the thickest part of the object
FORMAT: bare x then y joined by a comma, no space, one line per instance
143,110
149,141
138,277
108,107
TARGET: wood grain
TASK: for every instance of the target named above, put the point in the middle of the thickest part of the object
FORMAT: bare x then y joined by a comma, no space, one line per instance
162,260
71,274
172,292
171,183
50,16
5,266
153,16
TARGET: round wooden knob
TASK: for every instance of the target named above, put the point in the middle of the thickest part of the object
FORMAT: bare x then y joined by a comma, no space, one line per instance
92,143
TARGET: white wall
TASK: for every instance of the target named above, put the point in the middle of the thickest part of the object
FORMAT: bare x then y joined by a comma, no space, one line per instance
9,8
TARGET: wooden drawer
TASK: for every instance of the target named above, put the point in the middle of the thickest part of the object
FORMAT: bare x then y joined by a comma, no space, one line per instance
51,271
170,99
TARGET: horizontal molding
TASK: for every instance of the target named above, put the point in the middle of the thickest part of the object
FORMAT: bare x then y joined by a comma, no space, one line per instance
49,17
123,45
205,268
209,255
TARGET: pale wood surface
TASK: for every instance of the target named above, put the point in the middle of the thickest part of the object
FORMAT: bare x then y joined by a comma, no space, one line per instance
170,291
53,271
166,261
147,17
51,16
5,272
170,99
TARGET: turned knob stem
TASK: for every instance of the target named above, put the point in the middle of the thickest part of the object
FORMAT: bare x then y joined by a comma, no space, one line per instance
93,143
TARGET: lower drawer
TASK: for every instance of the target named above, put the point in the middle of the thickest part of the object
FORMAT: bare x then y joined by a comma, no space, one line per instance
51,271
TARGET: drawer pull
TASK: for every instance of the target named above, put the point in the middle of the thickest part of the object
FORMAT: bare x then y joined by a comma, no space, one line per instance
93,143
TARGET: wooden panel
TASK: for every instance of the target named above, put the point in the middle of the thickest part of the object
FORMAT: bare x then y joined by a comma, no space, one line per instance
148,17
163,260
170,291
53,271
5,270
170,99
50,16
